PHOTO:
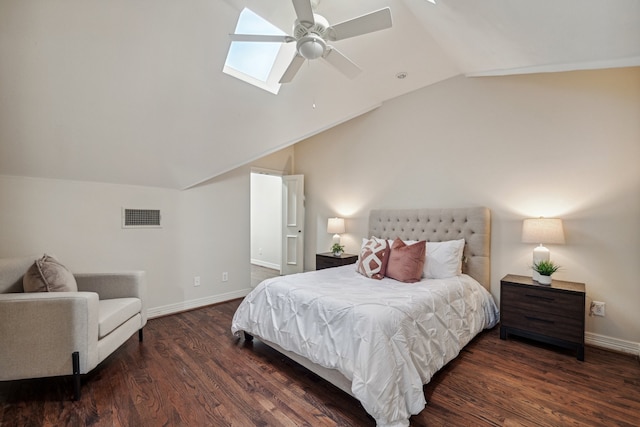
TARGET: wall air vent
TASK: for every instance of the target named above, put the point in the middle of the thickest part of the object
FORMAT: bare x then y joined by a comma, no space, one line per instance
140,218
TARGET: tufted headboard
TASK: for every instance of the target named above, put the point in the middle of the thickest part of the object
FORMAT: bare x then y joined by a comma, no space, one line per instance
437,225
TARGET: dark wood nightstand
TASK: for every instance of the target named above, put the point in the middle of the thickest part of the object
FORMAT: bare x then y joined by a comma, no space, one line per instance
553,314
327,260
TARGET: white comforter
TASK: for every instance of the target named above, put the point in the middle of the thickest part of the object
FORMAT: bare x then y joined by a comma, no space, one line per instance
387,337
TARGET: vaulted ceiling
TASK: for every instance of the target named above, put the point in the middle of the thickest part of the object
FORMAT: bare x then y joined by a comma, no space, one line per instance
132,92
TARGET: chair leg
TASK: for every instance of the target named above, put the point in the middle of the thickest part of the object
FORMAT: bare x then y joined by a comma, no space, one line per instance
75,356
140,334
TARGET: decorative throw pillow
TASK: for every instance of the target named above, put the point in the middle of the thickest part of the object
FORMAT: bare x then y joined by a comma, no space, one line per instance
48,275
406,261
373,258
444,259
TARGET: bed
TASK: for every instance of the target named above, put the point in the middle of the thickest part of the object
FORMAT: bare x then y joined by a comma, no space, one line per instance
381,340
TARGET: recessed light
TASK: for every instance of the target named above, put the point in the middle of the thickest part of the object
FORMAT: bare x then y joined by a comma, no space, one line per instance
402,75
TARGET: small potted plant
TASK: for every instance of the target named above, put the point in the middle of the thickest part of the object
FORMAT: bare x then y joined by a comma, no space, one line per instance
337,249
545,269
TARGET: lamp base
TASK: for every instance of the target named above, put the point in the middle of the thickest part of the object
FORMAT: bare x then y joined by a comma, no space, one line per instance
540,253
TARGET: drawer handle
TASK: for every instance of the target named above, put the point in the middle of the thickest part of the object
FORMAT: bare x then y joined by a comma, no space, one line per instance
539,297
537,319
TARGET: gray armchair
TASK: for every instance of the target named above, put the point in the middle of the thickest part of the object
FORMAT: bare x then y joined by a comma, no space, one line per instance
45,334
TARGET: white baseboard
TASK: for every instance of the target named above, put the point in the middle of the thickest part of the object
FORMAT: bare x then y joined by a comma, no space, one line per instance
265,264
196,303
610,343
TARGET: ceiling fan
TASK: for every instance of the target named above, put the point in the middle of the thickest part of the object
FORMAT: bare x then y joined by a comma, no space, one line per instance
312,32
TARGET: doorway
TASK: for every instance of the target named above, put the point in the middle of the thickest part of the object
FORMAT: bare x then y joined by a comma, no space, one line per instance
266,225
277,214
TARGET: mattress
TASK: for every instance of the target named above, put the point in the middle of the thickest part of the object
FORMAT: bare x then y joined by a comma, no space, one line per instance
388,338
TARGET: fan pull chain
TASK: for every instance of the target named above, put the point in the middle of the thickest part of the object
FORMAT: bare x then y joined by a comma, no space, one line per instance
313,78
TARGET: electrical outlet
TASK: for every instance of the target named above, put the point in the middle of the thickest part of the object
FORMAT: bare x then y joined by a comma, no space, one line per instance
597,308
196,281
225,276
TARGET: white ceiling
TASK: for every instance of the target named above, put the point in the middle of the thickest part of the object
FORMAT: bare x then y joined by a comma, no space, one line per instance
132,92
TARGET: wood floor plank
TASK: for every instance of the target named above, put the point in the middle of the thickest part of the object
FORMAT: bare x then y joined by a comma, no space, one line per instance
190,371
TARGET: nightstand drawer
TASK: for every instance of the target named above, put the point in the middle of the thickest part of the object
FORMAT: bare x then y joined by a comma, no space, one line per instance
554,303
551,325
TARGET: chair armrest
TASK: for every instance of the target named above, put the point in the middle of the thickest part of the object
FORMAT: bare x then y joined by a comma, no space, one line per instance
39,331
116,285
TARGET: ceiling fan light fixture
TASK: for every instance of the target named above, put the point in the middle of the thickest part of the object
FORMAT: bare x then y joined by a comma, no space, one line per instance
311,47
312,32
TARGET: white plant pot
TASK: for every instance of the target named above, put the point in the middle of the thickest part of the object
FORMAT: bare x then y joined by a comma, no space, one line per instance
544,280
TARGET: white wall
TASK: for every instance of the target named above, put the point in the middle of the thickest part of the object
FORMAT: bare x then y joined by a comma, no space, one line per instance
266,220
205,232
80,222
565,145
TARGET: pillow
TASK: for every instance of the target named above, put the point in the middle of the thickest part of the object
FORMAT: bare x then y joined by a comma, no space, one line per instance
373,258
48,275
406,261
444,259
364,242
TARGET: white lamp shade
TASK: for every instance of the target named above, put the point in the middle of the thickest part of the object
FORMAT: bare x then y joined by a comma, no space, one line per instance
543,230
335,225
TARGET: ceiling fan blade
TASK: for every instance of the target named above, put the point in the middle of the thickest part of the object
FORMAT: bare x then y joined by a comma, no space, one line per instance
304,12
374,21
341,63
292,69
260,38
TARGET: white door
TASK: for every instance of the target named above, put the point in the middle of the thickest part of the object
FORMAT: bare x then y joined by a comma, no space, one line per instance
292,224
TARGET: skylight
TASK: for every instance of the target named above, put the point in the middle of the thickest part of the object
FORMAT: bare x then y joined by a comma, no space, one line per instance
255,62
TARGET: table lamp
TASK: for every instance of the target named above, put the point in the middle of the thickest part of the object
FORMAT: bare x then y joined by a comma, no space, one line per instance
335,226
542,231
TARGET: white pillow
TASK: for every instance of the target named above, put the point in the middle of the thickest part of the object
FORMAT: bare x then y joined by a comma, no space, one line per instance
444,259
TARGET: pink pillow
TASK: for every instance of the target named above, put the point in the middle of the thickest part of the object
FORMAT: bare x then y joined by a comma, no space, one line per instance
406,261
373,258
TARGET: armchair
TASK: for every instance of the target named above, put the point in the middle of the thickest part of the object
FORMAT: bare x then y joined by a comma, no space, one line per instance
45,334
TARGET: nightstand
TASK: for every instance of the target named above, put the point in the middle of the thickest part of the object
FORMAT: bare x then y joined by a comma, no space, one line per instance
327,260
553,314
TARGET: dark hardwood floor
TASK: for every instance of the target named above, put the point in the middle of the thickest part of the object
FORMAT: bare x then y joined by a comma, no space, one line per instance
190,371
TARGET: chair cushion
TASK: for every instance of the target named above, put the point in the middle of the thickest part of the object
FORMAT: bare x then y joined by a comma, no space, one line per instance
47,274
114,312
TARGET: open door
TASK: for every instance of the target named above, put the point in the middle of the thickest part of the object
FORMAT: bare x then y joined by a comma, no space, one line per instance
292,224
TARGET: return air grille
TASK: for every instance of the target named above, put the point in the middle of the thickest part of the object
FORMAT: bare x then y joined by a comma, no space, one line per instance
140,218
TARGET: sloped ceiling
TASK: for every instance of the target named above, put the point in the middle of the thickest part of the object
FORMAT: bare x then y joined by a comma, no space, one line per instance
132,92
